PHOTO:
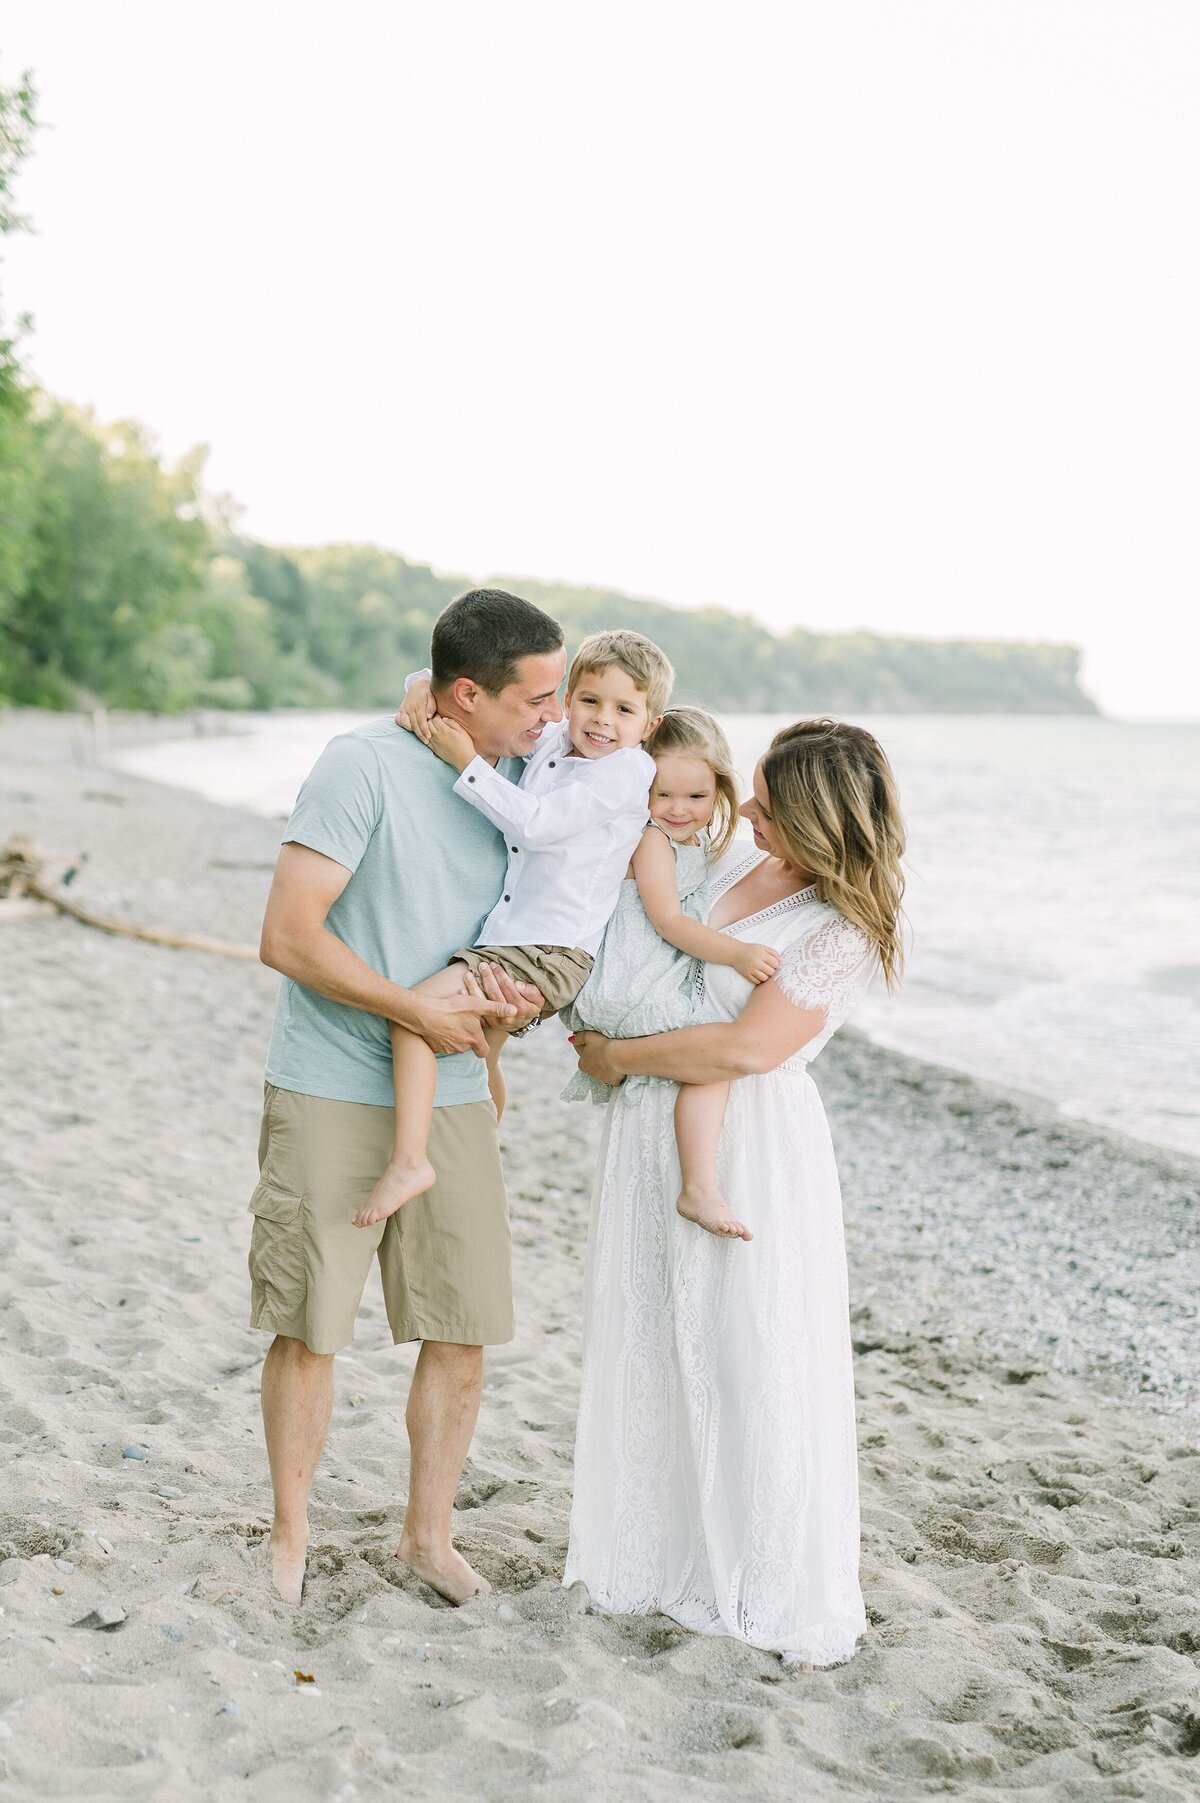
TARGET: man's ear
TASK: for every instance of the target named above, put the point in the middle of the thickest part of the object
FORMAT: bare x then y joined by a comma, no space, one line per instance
464,692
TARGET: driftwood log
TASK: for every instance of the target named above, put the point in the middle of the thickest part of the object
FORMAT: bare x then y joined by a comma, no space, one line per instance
25,889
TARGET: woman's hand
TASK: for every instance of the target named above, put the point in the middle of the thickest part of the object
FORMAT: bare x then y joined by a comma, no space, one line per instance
418,710
451,742
598,1058
757,963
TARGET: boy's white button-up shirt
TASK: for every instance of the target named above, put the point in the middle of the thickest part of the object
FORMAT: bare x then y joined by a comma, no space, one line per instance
571,827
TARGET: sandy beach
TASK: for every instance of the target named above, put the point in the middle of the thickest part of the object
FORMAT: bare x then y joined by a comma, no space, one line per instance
1028,1366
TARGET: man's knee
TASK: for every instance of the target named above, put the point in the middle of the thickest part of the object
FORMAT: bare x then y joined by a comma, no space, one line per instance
296,1354
465,1363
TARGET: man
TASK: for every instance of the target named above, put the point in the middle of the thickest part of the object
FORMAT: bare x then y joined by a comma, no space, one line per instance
383,874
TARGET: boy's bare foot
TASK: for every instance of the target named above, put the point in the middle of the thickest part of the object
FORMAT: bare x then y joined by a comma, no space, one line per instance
287,1567
398,1185
709,1209
444,1570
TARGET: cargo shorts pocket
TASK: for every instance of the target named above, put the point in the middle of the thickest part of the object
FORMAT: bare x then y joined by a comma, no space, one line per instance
277,1250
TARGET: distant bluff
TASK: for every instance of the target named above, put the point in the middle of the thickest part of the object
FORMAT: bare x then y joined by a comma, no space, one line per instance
361,617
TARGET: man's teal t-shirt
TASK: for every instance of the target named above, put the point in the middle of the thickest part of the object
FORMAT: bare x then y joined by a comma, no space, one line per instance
427,871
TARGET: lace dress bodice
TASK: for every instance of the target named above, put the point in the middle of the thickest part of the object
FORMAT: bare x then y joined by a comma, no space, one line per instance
826,961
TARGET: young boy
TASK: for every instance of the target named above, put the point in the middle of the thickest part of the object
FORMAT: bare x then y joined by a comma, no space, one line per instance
572,825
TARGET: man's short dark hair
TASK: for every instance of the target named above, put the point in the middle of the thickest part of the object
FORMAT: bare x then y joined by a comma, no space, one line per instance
485,633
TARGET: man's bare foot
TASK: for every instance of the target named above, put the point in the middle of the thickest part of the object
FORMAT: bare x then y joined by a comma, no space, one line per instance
444,1570
287,1567
398,1185
709,1209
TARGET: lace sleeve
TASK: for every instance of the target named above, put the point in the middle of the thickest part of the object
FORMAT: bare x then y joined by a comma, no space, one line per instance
828,969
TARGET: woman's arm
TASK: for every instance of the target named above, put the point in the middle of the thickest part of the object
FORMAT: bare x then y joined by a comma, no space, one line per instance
654,870
768,1030
819,980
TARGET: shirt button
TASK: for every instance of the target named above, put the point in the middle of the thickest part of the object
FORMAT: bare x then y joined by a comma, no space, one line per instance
470,779
516,848
551,764
508,898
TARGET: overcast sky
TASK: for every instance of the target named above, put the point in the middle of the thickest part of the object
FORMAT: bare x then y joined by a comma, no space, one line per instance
844,315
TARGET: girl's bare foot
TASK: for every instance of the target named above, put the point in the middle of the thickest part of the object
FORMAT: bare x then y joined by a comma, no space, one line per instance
709,1209
398,1185
287,1567
444,1570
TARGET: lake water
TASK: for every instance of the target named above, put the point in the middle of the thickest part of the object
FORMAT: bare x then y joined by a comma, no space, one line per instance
1053,897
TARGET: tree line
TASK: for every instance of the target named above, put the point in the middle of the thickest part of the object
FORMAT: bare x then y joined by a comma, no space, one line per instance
123,582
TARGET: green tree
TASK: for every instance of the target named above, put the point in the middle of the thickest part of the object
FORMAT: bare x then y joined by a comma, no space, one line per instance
117,570
17,124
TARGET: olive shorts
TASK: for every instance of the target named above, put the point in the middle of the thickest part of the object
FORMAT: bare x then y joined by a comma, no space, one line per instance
559,971
445,1258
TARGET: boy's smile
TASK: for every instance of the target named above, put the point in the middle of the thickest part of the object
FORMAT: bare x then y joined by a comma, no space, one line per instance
607,712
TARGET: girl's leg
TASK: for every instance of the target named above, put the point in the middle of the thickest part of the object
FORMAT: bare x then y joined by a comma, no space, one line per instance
699,1117
414,1077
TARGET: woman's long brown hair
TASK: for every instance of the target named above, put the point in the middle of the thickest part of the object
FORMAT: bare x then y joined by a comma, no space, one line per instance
835,810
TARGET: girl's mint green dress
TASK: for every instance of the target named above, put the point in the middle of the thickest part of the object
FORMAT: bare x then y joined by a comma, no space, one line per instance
640,984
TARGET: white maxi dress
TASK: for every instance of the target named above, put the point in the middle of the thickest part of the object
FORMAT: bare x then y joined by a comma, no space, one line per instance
716,1474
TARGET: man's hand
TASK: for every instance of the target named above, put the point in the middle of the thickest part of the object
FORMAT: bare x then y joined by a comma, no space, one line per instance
418,710
454,1023
452,743
598,1057
525,1001
757,963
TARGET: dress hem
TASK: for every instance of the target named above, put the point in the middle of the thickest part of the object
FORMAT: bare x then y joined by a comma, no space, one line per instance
821,1648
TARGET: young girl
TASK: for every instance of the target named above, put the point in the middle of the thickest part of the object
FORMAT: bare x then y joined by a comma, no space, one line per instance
640,983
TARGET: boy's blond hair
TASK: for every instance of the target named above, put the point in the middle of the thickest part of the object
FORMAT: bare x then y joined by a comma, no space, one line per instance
648,668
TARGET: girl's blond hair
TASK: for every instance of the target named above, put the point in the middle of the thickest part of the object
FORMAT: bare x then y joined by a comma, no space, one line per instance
690,732
835,810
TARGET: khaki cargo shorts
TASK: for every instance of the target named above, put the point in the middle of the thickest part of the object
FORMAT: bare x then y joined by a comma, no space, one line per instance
445,1257
559,971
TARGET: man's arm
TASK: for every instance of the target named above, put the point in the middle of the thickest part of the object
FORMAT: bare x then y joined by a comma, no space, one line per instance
768,1030
297,943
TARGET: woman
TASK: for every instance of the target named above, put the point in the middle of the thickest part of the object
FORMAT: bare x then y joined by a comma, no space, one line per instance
715,1465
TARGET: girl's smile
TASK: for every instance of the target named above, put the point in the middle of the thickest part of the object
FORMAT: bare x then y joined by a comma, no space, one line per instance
684,794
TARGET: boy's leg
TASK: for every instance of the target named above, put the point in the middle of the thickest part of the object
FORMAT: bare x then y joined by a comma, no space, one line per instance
414,1078
699,1117
443,1405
